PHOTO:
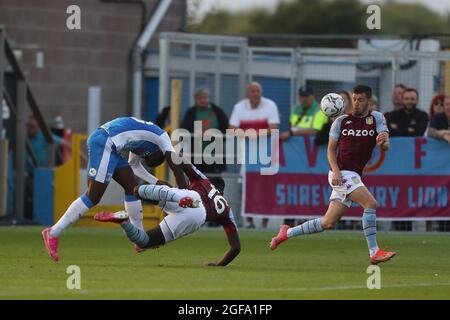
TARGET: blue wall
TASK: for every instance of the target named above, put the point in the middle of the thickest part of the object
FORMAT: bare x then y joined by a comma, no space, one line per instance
151,98
43,192
279,90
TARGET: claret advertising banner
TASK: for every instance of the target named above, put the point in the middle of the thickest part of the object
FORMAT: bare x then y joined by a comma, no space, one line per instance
411,181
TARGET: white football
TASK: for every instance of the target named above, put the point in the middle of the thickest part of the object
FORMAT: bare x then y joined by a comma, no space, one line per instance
332,105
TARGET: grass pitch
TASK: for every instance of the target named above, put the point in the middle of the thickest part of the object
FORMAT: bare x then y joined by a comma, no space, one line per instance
331,265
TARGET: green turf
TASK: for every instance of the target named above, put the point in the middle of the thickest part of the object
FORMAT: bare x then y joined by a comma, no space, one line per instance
331,265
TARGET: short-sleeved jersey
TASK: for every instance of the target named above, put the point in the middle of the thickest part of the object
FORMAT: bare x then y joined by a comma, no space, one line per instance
216,206
245,117
137,136
356,138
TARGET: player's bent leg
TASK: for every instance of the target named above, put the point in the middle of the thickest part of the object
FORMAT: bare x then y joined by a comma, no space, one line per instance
139,237
75,211
80,206
135,235
183,223
335,211
95,191
125,177
161,193
363,196
156,238
369,221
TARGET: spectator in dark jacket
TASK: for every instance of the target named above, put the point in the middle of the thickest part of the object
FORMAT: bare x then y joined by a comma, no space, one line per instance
211,117
408,121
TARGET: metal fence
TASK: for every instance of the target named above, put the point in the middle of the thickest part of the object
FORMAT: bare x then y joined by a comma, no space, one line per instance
17,101
225,64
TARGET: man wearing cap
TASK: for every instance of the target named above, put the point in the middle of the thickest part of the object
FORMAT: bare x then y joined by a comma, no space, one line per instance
307,118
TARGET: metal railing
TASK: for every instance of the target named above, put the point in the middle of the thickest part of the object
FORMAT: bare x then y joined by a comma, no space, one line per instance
24,102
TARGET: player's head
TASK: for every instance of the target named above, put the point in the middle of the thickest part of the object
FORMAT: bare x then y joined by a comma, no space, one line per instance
410,98
155,159
201,97
254,92
397,95
361,96
219,183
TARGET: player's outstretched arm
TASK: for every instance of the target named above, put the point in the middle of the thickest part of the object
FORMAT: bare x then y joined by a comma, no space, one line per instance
176,169
232,252
139,170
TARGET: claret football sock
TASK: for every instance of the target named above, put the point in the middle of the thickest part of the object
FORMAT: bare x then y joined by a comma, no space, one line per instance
136,235
76,210
310,226
369,222
133,206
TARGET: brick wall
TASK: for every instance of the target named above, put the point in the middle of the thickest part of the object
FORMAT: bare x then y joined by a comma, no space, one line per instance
96,55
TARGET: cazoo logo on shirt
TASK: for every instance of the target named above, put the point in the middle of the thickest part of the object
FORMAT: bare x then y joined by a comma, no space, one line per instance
358,133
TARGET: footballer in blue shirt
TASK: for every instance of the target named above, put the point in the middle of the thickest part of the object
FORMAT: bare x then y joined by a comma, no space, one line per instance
107,148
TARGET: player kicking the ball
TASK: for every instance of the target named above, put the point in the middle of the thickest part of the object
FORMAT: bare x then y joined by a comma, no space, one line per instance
106,147
356,135
187,211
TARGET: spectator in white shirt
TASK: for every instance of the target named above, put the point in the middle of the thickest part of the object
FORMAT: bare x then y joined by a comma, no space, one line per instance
255,112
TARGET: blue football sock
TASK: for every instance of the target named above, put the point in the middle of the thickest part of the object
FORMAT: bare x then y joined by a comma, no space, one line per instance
369,221
135,234
310,226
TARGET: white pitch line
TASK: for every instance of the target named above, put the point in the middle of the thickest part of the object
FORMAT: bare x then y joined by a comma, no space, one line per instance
337,288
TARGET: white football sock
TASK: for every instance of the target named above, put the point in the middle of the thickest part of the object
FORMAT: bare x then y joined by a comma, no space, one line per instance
133,206
76,210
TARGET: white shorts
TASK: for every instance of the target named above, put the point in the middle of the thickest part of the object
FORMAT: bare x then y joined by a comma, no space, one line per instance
180,221
350,182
